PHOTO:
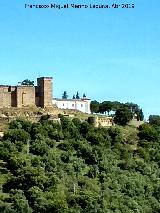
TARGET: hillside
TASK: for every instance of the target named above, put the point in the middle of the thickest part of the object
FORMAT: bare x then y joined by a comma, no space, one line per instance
34,114
75,167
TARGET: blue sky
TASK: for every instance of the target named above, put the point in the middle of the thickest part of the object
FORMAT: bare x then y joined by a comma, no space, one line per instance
110,54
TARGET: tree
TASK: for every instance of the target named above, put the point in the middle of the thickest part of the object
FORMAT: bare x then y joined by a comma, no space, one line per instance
84,95
84,128
94,106
154,120
39,147
106,106
77,122
17,135
64,95
69,129
21,124
132,106
77,95
116,105
20,204
147,132
135,109
101,108
140,115
27,82
123,116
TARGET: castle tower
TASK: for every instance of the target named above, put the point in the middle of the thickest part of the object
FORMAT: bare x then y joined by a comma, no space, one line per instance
44,90
25,95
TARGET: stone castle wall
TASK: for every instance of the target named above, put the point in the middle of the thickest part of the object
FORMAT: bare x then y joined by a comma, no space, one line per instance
5,96
103,121
26,95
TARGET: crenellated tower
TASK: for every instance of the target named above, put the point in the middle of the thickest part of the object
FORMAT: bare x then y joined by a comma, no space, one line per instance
44,94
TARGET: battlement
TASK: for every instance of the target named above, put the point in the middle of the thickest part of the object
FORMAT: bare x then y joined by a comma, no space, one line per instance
43,78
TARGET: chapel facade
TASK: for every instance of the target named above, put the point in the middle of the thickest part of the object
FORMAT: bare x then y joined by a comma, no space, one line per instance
81,104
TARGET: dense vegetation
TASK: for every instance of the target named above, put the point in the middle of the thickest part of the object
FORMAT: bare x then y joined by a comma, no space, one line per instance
73,167
118,107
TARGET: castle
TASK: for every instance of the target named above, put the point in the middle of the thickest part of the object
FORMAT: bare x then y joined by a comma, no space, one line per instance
40,96
27,95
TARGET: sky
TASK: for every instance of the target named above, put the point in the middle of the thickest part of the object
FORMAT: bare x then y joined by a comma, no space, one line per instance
108,54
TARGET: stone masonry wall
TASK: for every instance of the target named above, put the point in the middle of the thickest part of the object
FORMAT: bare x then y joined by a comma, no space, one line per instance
5,96
44,85
25,96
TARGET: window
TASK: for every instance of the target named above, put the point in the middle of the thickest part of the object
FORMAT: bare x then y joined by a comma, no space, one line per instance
72,105
81,105
63,104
